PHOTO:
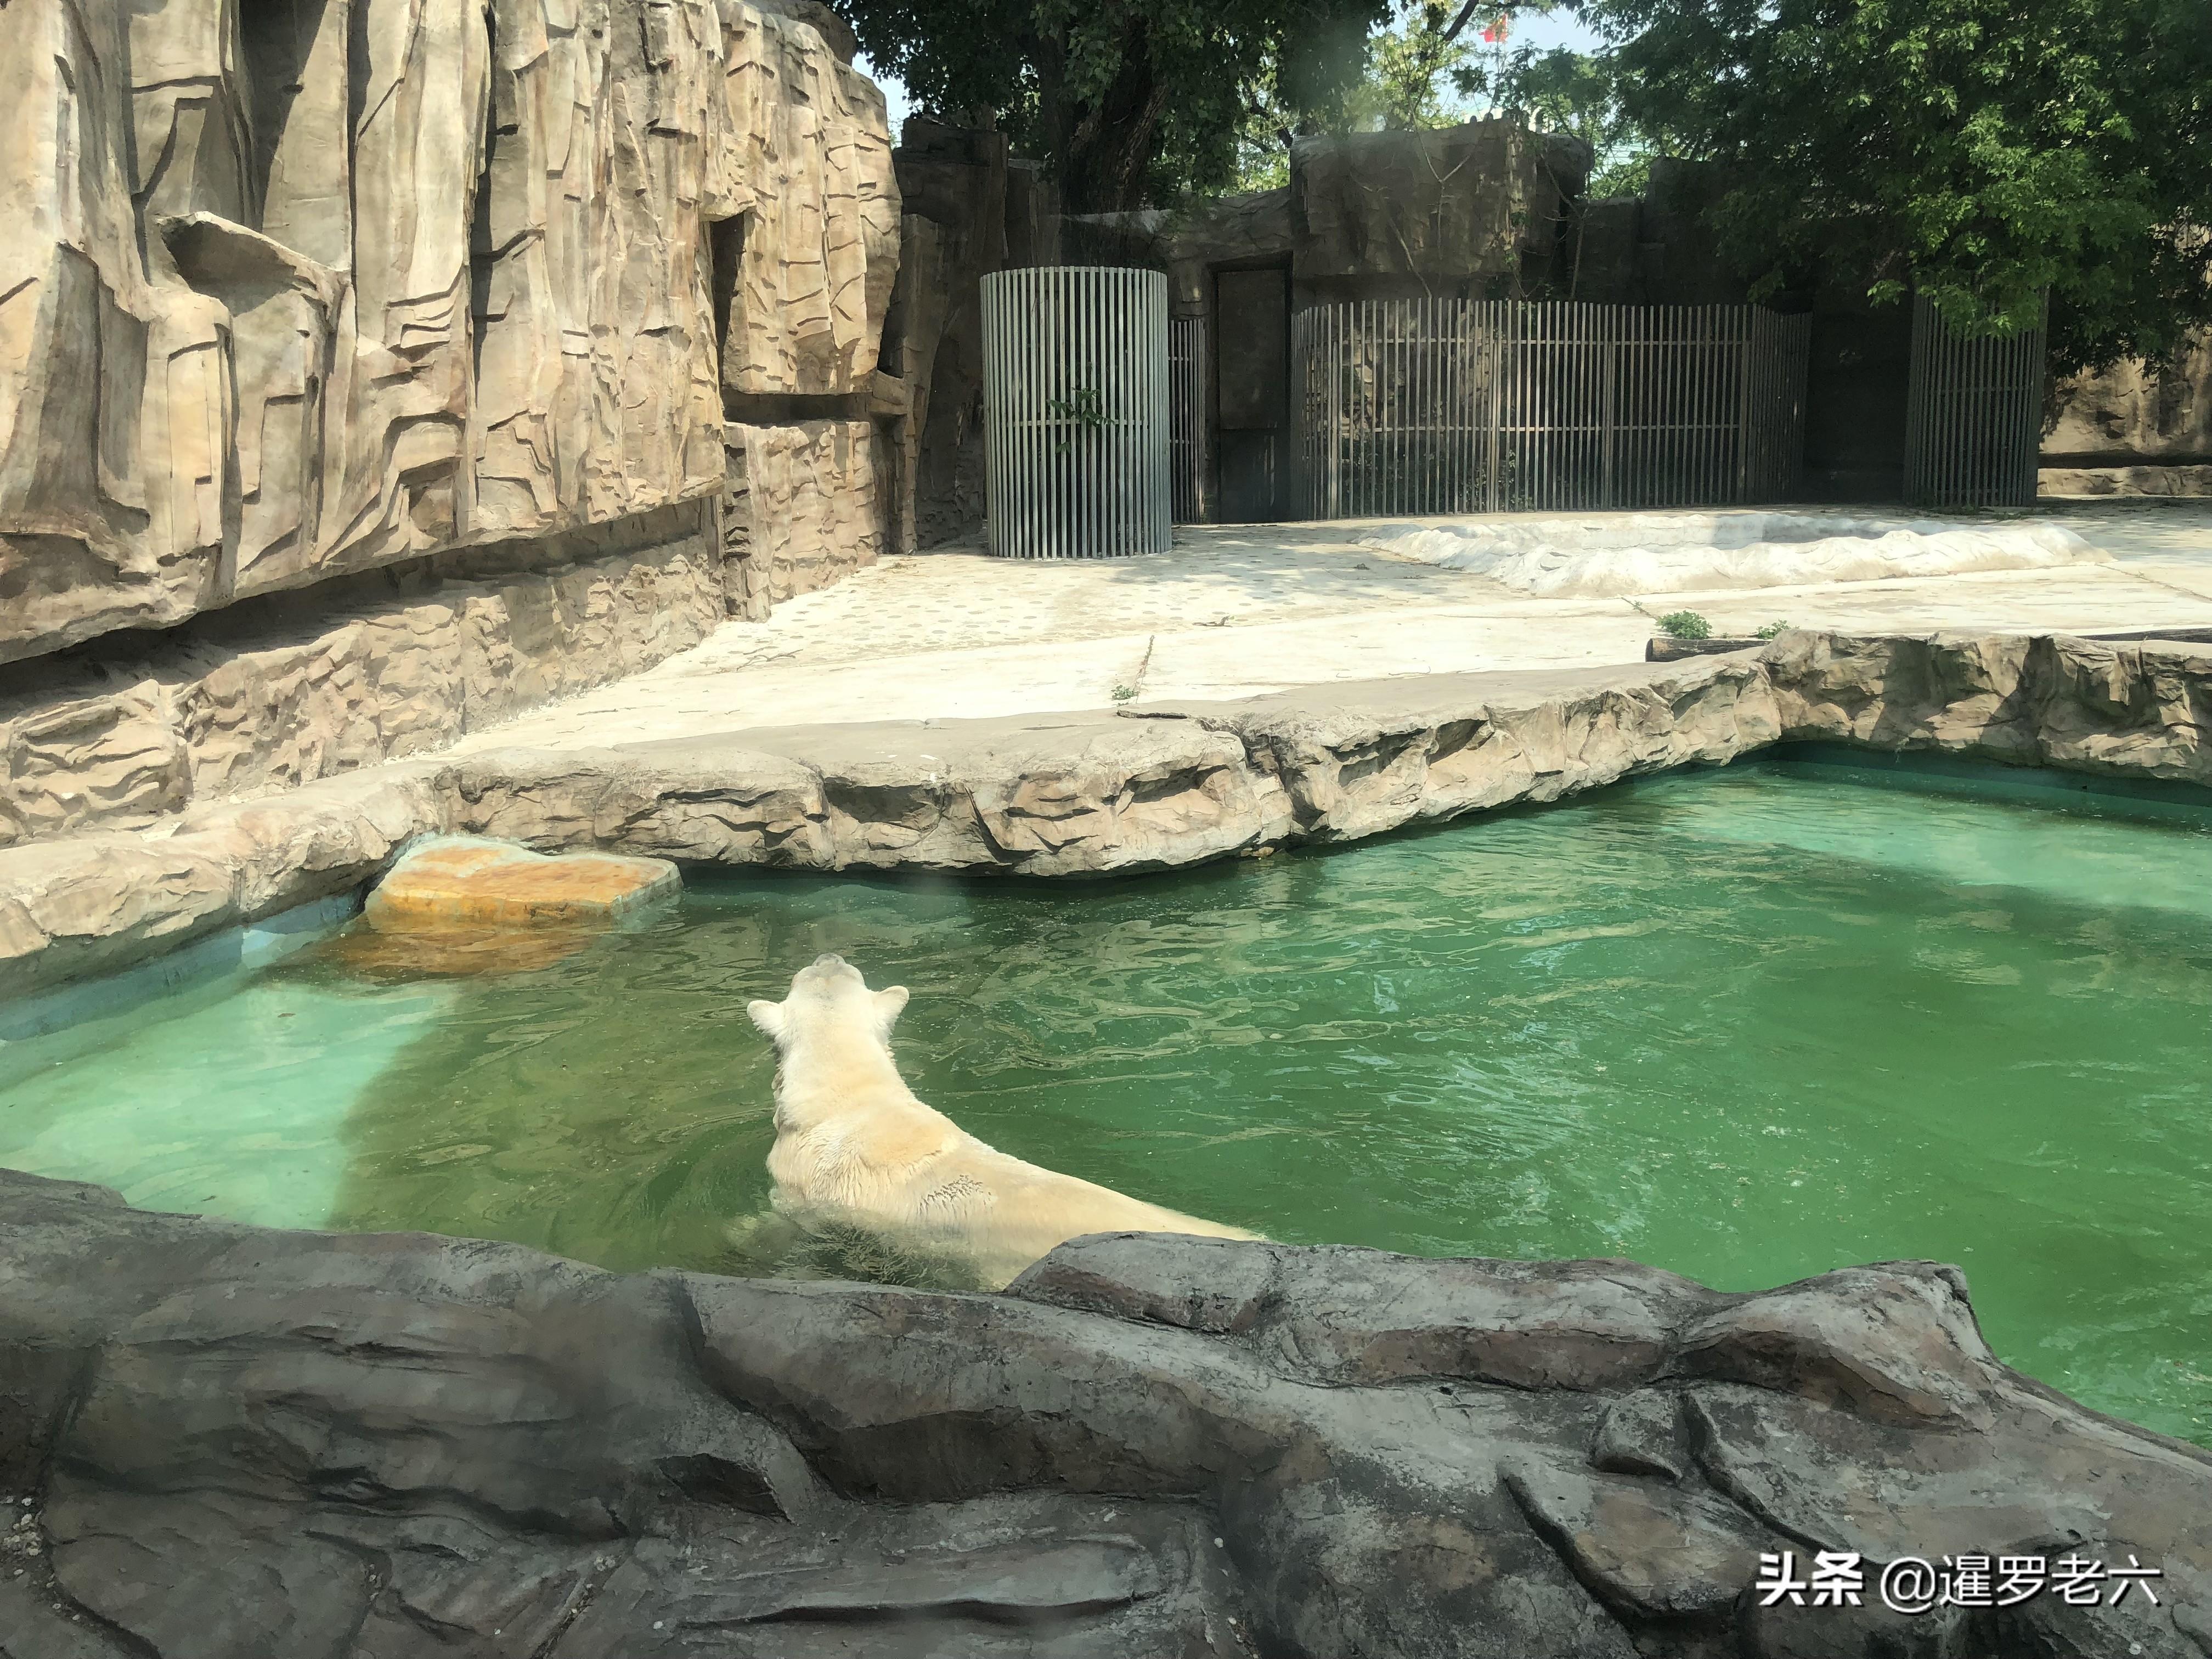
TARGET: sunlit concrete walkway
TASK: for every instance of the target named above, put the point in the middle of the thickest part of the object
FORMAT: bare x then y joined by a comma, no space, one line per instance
1239,611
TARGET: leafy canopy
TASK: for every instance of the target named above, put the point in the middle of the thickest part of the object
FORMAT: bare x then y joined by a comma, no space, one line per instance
1580,93
1133,102
1982,151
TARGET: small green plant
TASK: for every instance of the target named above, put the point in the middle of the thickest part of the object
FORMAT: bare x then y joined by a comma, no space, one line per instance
1124,693
1772,629
1684,625
1084,408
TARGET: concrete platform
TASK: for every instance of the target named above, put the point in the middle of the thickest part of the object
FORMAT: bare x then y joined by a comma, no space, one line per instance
1240,611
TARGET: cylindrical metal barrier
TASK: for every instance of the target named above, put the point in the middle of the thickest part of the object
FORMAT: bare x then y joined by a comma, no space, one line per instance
1076,412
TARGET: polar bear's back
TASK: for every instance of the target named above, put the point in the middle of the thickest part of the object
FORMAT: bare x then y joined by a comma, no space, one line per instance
1030,1210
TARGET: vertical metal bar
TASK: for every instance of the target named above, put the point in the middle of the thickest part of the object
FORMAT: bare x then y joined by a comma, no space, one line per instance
1128,332
997,482
1359,409
1686,369
1044,530
1035,479
1115,353
1708,363
1401,397
1432,366
1594,320
1916,386
1088,287
1360,391
1045,373
1686,361
1117,356
1684,404
1702,325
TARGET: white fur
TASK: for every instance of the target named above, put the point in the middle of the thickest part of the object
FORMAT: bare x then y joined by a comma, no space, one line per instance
854,1148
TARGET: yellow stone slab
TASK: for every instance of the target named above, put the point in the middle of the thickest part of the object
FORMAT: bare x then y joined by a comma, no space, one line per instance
465,882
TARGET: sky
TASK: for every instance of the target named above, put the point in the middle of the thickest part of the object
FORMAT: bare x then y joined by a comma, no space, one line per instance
1541,30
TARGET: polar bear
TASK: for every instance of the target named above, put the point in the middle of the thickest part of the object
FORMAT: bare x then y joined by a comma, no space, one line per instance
854,1150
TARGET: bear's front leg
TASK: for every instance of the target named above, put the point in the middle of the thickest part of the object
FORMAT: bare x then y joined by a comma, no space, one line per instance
761,1242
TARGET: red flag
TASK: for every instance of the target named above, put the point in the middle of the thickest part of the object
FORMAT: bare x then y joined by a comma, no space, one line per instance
1494,34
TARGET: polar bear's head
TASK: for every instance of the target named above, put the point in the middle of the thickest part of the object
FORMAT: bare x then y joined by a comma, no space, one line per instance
829,1001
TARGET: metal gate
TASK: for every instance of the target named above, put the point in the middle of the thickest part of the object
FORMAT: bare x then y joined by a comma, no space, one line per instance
1187,417
1075,410
1973,419
1417,407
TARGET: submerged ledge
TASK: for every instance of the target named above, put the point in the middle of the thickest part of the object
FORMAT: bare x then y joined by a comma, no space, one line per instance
1115,792
222,1441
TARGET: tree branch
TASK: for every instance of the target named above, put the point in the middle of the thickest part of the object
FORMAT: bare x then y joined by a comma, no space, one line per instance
1465,16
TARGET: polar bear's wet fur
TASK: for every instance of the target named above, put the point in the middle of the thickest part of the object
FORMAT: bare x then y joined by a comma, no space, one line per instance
855,1149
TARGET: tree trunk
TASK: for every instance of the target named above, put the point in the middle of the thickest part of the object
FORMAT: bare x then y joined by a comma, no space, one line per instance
1104,148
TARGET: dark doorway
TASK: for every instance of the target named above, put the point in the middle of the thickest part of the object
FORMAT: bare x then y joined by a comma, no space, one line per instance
1252,379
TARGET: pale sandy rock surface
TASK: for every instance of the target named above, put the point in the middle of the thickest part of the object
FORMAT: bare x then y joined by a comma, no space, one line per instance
1616,555
580,641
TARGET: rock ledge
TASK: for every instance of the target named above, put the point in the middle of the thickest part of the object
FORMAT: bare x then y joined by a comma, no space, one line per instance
237,1443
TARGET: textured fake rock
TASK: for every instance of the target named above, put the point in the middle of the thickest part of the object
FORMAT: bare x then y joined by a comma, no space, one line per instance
2129,418
235,704
799,511
1418,206
803,167
1088,794
93,904
237,1441
2124,481
1116,793
2132,710
288,293
465,882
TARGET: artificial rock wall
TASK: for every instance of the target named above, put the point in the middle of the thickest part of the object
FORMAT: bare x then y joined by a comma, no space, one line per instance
307,297
2134,429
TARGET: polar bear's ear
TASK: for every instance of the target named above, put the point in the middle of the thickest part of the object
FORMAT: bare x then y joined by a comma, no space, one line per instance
768,1016
890,1003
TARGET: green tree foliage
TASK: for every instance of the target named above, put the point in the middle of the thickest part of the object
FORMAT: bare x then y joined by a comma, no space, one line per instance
1579,93
1420,70
1420,74
1132,102
1981,151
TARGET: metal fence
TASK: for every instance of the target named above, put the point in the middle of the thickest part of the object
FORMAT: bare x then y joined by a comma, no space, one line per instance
1186,423
1973,418
1415,407
1075,411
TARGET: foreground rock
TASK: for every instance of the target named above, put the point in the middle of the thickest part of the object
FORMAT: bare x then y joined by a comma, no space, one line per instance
236,1443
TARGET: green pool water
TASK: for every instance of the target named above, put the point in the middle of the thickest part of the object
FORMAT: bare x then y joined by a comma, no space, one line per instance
1748,1024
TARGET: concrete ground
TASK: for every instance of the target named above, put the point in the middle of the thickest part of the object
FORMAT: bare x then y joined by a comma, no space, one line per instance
1236,611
